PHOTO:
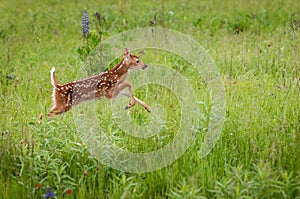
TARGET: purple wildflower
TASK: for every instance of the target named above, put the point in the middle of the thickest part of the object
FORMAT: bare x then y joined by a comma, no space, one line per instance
49,193
85,23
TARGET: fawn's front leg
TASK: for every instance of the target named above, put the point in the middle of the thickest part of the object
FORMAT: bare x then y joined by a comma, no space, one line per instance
120,91
125,93
122,86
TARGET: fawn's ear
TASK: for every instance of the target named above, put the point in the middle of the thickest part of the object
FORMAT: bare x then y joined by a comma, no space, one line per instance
126,53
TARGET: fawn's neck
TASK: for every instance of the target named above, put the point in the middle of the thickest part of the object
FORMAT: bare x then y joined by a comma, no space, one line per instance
120,69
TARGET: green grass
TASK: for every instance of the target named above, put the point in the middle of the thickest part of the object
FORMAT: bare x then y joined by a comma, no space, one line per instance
256,48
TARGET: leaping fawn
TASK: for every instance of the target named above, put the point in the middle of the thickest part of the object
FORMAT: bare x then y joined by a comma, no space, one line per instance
110,84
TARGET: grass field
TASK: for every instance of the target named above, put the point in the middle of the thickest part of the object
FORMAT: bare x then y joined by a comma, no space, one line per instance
256,47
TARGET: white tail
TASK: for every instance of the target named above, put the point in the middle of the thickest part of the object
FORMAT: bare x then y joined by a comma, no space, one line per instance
109,84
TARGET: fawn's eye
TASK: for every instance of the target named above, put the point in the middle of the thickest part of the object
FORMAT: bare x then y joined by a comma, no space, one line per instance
137,61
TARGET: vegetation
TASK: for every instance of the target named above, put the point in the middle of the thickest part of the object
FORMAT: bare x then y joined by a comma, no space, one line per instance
255,46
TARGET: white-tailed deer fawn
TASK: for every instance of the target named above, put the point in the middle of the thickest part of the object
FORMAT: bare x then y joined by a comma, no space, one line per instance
110,84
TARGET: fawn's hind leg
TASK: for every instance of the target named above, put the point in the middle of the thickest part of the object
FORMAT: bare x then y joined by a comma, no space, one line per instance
58,110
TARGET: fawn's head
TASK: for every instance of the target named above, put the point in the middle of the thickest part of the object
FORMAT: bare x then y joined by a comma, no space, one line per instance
132,61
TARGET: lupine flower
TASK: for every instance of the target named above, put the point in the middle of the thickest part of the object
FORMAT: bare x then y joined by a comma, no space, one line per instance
49,193
85,23
69,191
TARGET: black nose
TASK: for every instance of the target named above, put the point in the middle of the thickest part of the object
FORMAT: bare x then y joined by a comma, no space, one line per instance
145,66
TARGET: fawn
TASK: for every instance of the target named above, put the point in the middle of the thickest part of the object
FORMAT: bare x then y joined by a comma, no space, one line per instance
110,84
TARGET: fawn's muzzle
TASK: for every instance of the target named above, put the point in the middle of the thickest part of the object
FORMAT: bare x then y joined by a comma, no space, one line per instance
145,66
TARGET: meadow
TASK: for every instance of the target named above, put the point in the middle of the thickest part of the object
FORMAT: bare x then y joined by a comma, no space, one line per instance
255,46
